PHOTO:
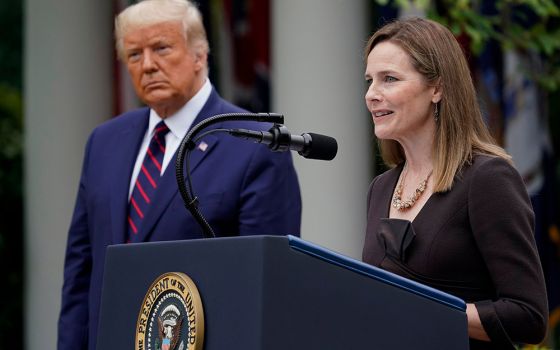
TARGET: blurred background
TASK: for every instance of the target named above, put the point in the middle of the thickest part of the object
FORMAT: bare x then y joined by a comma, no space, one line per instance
302,58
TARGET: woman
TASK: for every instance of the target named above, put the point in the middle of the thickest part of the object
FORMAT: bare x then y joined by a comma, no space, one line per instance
452,212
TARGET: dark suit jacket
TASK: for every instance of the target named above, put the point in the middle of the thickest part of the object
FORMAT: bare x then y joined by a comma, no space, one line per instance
474,241
243,189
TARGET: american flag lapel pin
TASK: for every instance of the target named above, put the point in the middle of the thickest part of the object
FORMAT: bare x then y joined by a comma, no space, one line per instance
202,146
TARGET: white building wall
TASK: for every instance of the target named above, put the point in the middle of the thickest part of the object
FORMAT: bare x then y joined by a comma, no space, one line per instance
318,76
67,77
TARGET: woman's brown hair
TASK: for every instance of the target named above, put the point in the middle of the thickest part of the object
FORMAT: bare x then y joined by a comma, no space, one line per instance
460,129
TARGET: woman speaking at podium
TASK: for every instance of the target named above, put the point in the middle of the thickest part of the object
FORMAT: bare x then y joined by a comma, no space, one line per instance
452,212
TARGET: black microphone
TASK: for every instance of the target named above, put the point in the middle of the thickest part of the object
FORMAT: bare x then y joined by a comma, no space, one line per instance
279,139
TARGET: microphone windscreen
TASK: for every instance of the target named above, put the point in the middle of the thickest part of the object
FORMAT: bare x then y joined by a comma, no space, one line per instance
322,147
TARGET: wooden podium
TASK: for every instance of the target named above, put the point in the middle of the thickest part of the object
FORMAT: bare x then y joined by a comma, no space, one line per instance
281,292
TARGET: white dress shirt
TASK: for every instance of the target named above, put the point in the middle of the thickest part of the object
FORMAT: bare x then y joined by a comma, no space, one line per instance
178,124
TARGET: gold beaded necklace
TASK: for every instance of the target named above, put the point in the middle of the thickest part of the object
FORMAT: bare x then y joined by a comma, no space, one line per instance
397,201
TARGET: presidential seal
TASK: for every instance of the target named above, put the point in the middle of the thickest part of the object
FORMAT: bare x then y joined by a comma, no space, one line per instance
171,316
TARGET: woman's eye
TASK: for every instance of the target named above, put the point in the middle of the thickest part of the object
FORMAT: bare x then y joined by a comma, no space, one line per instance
369,81
390,79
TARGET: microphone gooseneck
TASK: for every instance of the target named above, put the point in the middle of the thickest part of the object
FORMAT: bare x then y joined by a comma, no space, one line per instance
187,145
278,139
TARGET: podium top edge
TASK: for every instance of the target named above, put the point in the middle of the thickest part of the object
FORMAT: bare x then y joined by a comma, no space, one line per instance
328,256
376,273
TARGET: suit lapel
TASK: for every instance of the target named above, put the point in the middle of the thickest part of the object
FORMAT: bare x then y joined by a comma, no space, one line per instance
210,109
168,187
127,142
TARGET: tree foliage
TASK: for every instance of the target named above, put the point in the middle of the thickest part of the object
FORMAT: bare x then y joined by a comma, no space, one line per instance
530,26
11,175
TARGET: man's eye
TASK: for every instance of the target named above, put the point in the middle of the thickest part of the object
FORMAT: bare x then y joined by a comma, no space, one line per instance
369,81
163,48
133,56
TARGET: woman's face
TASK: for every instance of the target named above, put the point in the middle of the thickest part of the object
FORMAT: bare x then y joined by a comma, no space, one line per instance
398,97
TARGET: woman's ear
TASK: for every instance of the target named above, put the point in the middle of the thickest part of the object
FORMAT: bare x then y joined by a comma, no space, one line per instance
438,91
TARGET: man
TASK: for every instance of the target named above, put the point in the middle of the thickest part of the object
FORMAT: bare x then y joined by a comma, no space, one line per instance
128,191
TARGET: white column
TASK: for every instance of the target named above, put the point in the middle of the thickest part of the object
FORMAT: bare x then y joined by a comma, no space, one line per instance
318,84
67,72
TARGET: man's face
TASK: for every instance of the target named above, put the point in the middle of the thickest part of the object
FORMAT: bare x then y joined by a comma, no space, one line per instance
165,72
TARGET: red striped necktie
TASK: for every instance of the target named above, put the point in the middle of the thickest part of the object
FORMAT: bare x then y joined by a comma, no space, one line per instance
147,182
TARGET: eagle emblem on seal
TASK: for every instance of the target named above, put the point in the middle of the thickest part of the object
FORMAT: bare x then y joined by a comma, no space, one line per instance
169,325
